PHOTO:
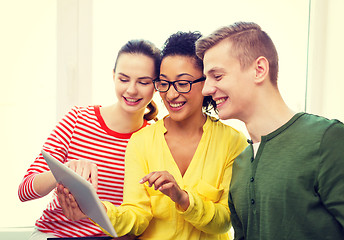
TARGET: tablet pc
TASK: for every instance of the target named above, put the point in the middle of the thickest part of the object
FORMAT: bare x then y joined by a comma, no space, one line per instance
83,192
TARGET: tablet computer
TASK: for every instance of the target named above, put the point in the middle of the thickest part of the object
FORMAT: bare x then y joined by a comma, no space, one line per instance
83,192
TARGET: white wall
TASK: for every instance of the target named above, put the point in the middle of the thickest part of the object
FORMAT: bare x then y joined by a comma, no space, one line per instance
49,47
326,51
27,98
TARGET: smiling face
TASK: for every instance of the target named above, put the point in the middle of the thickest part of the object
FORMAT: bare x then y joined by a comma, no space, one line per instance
133,78
181,105
229,85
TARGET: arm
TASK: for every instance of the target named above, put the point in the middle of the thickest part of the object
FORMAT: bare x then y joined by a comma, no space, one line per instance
208,210
134,215
165,183
331,172
38,180
237,226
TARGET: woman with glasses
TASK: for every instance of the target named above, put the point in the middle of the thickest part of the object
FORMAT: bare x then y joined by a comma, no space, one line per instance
177,170
92,141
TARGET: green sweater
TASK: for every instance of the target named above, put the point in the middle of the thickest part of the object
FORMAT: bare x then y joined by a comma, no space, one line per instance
294,187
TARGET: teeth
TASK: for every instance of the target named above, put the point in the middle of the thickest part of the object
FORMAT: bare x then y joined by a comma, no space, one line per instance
131,100
175,105
220,101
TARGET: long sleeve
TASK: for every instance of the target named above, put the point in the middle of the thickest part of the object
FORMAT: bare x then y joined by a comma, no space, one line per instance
134,214
153,215
210,213
331,171
56,145
208,210
236,223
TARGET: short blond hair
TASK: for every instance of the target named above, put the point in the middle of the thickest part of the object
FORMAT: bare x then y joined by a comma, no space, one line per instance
249,42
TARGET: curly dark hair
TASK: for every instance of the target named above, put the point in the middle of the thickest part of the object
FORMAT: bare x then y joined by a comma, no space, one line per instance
183,44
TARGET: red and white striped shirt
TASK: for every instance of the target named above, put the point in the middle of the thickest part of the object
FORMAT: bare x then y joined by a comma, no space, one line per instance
81,134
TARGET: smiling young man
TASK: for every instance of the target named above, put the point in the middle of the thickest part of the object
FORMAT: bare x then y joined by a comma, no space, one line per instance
289,183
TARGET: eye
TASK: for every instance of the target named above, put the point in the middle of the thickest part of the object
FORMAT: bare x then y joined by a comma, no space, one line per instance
163,83
123,80
217,76
144,83
182,83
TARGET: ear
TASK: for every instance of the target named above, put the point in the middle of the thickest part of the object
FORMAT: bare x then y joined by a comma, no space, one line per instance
262,69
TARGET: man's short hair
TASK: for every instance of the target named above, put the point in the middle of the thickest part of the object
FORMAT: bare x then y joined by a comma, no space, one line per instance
249,42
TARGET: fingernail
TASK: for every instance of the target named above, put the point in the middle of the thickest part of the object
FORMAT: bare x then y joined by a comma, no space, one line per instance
141,181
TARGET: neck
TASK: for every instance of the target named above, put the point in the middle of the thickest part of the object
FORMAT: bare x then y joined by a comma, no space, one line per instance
267,115
187,126
121,121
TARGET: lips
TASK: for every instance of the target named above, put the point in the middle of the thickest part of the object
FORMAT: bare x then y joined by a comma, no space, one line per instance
132,101
220,101
176,106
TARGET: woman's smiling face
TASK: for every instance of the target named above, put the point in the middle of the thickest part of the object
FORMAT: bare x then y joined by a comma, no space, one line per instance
181,105
133,78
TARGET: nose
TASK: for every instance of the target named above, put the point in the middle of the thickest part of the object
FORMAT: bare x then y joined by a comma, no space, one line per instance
208,88
132,89
172,93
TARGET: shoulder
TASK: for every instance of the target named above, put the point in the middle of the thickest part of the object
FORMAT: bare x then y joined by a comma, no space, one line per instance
230,139
149,131
312,120
318,125
85,111
223,130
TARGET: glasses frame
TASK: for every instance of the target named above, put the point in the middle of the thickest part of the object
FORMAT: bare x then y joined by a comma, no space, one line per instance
174,82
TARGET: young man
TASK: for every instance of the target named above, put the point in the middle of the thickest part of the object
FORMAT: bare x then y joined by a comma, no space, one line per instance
289,183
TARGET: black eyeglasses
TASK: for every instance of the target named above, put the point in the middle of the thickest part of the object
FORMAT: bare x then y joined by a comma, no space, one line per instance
181,86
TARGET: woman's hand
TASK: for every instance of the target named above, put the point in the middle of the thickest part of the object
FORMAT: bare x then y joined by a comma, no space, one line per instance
70,207
86,169
165,183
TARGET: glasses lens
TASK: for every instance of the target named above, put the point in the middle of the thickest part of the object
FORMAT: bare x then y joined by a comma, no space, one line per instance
182,86
161,85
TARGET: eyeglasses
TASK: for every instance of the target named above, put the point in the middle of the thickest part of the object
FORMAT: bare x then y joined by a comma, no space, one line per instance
181,86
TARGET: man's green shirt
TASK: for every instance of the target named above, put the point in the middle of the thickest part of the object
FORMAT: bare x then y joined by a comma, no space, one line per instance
294,187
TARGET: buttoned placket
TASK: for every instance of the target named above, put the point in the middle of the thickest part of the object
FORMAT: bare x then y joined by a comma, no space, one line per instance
252,179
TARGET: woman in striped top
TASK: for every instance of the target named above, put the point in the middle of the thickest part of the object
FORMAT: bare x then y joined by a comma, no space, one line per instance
92,141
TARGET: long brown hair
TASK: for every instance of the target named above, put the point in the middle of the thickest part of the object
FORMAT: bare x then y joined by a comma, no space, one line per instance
140,46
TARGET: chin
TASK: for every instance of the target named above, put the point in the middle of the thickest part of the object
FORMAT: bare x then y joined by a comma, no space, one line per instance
224,116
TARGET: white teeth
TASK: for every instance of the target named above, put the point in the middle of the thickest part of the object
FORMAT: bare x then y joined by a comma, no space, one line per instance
131,100
175,105
220,101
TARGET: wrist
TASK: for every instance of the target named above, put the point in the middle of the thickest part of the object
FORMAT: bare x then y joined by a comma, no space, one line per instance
184,200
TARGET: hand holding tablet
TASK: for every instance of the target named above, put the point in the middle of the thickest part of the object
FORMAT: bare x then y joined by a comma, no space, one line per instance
83,192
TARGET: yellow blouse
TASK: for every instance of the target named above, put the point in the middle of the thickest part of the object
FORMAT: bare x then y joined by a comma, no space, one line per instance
153,215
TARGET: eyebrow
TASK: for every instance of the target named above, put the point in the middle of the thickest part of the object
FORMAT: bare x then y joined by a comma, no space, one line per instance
140,78
214,69
179,75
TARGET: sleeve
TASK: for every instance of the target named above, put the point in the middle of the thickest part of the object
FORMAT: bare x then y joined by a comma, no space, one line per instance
134,215
57,145
237,226
331,171
210,213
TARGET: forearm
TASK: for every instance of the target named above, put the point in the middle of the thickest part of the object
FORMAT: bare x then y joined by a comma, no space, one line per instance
207,216
33,188
128,219
44,183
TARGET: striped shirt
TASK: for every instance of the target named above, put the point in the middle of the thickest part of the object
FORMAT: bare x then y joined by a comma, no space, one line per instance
81,134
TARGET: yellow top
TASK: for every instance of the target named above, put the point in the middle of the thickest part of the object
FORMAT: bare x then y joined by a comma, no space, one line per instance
150,213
